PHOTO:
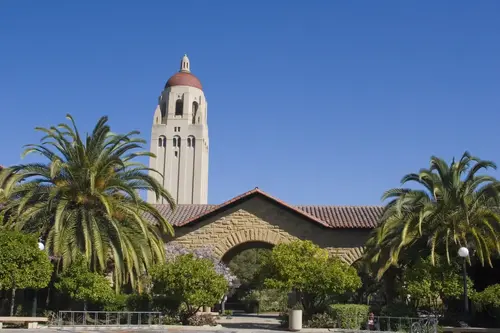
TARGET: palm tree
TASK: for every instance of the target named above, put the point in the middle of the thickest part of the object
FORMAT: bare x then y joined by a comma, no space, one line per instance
456,206
85,199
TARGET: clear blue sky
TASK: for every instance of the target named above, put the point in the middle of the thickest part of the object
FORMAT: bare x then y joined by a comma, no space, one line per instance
315,102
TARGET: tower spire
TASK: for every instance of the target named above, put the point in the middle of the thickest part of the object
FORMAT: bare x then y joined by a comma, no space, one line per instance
185,64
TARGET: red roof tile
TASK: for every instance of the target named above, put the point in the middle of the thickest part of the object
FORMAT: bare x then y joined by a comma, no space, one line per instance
184,79
358,217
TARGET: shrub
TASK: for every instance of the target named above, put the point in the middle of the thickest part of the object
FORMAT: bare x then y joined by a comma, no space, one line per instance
349,316
139,302
190,281
489,300
321,320
79,283
268,300
117,302
202,320
167,305
399,309
170,320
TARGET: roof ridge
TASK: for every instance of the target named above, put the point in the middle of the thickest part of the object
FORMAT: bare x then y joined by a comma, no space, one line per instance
330,216
342,206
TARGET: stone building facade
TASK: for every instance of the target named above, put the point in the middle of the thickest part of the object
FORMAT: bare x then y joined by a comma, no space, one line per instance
256,219
179,139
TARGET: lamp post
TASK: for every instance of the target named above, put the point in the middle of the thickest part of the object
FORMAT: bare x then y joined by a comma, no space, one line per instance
41,247
464,253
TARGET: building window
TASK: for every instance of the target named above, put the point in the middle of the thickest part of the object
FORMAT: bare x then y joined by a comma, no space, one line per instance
162,141
179,106
176,142
195,112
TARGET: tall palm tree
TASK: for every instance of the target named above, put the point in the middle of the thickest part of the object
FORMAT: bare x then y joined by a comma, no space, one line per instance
85,199
455,206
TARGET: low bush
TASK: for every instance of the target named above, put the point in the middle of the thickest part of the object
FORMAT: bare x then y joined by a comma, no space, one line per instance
170,320
139,302
399,309
202,320
488,301
167,305
117,302
489,298
349,316
321,320
267,300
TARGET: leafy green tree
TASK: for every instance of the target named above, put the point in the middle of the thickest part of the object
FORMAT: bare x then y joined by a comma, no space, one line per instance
22,264
190,282
455,206
303,267
248,264
428,283
85,200
82,285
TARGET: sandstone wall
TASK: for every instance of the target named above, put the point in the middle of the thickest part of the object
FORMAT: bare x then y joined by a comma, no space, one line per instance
259,220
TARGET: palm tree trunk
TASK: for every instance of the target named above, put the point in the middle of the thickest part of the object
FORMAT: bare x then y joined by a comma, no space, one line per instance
12,301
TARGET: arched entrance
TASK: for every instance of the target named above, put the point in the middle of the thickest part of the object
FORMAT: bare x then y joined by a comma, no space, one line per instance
234,251
250,237
246,261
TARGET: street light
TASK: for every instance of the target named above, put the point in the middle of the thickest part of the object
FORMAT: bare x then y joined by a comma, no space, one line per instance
41,247
464,253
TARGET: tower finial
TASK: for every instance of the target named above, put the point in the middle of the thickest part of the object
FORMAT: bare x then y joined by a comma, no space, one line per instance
185,64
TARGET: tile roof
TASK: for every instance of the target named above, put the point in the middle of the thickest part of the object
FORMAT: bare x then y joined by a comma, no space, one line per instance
358,217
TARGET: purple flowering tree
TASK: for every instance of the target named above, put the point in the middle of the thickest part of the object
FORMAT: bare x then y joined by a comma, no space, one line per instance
174,250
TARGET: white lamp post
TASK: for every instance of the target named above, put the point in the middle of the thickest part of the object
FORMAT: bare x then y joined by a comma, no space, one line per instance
464,253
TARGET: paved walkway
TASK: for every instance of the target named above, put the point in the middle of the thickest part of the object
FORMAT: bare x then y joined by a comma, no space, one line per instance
268,321
238,323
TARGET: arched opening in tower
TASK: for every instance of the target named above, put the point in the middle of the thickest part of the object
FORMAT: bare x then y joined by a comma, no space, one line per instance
195,112
179,106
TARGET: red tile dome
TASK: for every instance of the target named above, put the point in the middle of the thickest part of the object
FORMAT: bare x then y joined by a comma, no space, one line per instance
184,79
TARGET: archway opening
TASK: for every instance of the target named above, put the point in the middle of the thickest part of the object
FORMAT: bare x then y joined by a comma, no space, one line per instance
244,247
246,261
